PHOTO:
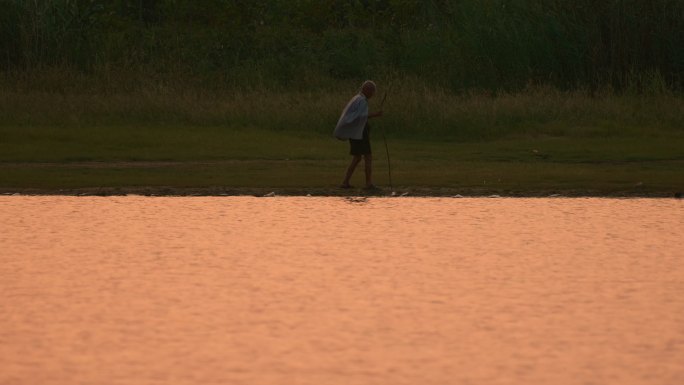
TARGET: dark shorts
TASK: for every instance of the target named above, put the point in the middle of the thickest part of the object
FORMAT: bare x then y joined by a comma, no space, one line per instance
361,146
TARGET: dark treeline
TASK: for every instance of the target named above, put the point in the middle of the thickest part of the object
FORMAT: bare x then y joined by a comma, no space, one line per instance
459,44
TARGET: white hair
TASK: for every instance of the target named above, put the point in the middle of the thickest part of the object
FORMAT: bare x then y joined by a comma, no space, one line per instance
368,83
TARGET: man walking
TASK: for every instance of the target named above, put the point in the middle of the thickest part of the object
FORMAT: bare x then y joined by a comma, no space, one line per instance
353,125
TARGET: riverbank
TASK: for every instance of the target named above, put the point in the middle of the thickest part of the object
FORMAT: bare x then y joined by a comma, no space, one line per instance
539,142
315,165
399,191
530,175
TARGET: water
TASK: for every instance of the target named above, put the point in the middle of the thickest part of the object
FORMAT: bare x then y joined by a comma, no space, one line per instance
238,290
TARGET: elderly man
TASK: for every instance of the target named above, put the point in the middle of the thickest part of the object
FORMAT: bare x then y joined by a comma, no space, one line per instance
353,125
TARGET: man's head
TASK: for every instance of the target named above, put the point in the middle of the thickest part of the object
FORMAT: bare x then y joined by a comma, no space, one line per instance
368,88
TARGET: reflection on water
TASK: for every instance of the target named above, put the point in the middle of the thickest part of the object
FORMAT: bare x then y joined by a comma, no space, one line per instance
238,290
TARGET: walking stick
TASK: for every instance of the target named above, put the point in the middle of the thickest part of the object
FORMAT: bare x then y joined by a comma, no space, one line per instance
389,165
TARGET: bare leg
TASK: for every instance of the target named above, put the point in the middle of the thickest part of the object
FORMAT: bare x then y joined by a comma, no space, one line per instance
350,170
368,163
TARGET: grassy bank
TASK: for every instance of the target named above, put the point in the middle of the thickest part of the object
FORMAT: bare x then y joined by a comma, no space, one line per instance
75,135
314,165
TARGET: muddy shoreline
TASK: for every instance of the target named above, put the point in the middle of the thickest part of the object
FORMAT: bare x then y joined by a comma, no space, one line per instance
401,191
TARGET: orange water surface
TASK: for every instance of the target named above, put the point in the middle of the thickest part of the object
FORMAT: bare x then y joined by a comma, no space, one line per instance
242,290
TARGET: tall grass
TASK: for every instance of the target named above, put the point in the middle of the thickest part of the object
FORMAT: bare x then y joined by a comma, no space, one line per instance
414,108
457,45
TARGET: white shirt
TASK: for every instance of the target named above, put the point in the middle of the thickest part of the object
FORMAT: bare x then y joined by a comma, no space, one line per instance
353,119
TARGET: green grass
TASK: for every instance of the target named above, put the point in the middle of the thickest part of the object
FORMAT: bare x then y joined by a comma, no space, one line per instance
216,156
